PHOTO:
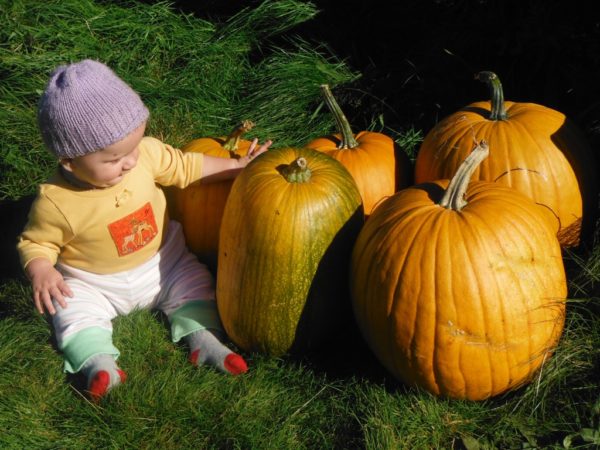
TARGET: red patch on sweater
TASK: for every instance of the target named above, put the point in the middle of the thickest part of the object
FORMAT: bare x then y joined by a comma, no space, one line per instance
134,231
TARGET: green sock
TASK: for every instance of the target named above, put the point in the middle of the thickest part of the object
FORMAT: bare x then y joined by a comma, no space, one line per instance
206,348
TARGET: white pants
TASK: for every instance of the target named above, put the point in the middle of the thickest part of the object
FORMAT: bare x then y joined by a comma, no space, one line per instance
172,281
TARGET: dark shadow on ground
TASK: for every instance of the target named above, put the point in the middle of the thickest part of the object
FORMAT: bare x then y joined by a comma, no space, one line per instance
13,216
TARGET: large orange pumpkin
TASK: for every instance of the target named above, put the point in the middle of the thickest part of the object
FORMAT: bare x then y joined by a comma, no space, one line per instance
376,162
535,150
199,207
288,229
459,288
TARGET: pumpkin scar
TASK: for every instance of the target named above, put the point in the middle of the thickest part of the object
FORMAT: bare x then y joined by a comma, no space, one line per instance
473,339
521,168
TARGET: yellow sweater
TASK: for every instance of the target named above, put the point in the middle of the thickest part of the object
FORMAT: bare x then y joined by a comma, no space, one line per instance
113,229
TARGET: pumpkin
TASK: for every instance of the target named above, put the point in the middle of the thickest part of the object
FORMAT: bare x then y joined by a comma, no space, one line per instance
288,228
535,150
459,288
376,162
199,207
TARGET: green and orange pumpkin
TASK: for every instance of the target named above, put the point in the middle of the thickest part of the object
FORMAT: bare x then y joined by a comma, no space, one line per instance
288,228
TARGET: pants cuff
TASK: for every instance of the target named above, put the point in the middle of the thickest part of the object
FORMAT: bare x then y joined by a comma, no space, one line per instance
81,346
194,316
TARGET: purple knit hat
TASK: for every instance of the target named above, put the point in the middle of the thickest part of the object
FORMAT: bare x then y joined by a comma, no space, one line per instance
87,107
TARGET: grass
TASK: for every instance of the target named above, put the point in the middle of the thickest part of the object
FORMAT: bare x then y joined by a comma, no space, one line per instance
201,77
197,78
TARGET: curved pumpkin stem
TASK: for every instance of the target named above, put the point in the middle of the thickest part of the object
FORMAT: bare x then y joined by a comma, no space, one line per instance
233,140
454,197
343,126
498,111
297,171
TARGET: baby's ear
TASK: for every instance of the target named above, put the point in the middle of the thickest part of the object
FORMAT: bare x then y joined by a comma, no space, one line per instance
66,163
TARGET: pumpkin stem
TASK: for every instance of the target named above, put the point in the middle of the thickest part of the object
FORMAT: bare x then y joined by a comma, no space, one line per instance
297,171
343,126
454,197
233,140
498,111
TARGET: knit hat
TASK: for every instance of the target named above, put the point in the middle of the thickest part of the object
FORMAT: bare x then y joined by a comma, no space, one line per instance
87,107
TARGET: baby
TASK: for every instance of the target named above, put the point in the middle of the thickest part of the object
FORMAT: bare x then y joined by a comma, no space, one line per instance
99,243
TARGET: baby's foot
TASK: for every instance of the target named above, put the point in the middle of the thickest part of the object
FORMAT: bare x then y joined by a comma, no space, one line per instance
206,348
103,375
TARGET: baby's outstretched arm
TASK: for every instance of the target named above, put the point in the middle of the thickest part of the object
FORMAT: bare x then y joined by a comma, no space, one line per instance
47,283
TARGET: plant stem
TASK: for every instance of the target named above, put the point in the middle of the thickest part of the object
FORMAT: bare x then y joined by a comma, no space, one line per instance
454,197
343,126
233,140
297,171
498,111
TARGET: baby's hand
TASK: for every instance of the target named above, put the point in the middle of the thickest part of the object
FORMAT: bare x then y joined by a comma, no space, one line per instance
47,283
253,152
218,169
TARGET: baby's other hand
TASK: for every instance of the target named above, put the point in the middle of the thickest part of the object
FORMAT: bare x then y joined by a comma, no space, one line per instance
47,283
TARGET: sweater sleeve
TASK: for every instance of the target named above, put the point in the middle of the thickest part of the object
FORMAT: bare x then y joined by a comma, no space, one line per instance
45,233
171,166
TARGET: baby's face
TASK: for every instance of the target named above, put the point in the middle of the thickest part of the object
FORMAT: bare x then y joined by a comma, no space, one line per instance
107,167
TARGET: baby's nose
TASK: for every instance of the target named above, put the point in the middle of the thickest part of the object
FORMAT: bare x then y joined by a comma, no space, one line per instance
129,163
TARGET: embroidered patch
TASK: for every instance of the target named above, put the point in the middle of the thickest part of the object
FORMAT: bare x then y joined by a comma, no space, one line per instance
134,231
